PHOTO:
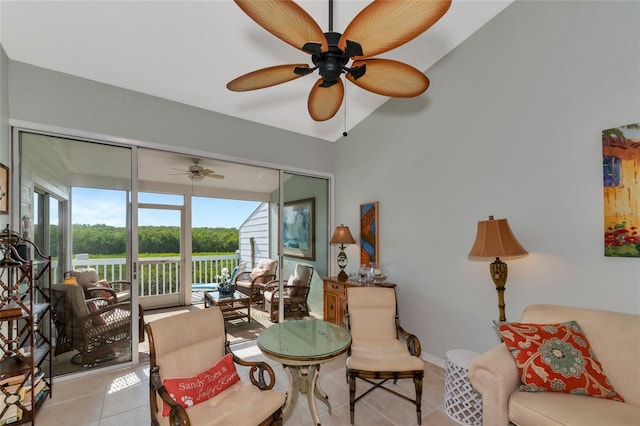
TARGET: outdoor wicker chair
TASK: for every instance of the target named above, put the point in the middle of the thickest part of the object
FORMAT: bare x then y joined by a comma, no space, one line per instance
97,328
295,294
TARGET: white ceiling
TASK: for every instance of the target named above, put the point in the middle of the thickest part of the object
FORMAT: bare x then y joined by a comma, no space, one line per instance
186,51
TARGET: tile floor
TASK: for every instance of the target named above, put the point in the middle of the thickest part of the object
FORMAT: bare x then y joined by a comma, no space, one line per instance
120,398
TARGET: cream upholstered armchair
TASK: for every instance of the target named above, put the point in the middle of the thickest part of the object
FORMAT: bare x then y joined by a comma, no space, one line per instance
191,348
252,283
295,294
114,291
376,352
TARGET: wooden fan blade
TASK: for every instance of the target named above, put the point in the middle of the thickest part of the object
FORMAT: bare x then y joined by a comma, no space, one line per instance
385,25
265,77
390,78
324,102
285,20
213,175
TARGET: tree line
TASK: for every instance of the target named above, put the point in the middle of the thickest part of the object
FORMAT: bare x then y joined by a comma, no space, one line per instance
105,239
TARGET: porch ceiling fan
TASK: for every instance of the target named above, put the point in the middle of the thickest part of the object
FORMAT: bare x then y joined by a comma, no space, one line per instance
197,172
381,26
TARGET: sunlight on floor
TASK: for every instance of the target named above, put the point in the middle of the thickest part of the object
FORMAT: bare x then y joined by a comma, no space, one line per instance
127,381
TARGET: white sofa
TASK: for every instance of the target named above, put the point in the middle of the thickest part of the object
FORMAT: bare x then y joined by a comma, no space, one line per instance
615,339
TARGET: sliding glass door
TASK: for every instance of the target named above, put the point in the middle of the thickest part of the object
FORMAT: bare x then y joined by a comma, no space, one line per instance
74,204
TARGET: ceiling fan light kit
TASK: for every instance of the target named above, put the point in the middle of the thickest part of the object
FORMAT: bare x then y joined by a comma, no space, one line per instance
381,26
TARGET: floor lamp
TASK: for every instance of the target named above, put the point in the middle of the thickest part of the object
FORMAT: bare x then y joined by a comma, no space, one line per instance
494,240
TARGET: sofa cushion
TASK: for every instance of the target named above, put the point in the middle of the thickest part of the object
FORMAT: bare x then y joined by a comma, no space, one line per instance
563,409
556,357
190,391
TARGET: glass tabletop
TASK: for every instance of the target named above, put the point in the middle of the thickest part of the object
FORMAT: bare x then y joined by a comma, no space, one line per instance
215,295
304,340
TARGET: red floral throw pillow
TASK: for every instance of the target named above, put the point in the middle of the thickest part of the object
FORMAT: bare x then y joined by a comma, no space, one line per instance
201,387
558,358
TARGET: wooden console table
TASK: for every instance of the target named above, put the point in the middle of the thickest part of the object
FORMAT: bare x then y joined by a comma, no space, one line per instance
335,298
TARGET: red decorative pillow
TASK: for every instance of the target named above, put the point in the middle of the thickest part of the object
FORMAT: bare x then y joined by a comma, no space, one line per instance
201,387
558,358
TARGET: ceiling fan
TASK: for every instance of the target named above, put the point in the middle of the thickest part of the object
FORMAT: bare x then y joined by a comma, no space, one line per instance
197,172
381,26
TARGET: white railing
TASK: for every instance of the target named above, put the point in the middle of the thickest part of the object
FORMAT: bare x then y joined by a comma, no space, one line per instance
158,275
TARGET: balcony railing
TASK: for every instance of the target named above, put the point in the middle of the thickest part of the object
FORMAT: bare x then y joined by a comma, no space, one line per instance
158,275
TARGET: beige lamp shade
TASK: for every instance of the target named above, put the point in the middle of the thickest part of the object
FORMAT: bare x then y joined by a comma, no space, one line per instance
342,235
495,239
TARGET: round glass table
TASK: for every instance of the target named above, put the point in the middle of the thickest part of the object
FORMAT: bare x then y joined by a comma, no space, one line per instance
301,346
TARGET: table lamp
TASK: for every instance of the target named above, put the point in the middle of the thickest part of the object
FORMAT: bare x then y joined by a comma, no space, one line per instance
342,236
494,240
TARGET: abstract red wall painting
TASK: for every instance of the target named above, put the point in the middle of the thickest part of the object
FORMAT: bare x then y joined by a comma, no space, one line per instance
621,173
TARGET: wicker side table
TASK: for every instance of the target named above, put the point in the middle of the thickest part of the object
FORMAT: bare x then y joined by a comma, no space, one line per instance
462,402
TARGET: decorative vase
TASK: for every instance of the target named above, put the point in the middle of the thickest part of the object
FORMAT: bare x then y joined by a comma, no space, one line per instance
227,289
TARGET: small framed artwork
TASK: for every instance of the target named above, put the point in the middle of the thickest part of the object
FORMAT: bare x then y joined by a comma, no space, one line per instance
4,189
299,228
369,234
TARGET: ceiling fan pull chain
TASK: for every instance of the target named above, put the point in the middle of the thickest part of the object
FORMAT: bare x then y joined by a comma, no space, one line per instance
344,133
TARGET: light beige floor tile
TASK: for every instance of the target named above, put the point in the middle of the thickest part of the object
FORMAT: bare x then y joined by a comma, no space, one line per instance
121,398
437,418
124,398
77,411
136,416
70,389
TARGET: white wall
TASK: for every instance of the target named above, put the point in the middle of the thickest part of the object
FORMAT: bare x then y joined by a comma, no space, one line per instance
509,127
51,98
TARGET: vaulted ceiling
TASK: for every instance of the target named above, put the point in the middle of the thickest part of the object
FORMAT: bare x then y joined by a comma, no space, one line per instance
186,51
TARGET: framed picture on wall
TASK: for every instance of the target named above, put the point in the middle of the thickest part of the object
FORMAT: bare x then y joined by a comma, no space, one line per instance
621,177
299,229
4,189
369,234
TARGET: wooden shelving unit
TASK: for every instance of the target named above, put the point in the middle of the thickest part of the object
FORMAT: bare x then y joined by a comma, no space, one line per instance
25,330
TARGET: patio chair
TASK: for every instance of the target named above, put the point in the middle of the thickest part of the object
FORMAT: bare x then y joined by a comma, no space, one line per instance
113,291
252,283
376,354
97,328
191,345
295,291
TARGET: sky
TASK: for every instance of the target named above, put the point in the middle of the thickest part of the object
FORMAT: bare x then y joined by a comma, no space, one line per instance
98,206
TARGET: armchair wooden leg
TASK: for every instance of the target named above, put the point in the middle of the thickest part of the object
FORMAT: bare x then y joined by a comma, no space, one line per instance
417,380
352,397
